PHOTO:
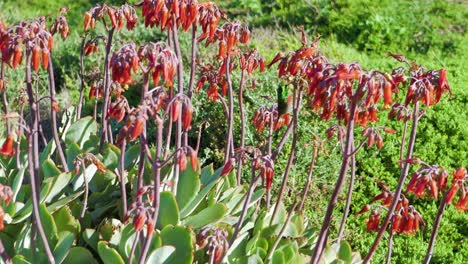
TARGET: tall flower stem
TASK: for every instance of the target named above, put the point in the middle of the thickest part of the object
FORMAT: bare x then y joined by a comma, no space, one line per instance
180,90
242,132
123,192
229,136
349,194
399,188
323,235
4,97
309,178
390,248
435,229
53,115
107,86
33,158
298,100
82,85
156,187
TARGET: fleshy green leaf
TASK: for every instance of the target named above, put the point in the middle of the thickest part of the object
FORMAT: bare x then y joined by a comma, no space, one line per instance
49,169
80,131
48,224
161,255
109,255
79,255
188,186
181,238
168,211
345,252
63,246
207,216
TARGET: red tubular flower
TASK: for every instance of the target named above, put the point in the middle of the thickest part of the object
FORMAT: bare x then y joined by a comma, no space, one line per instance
36,58
139,221
194,160
452,192
8,149
137,128
187,114
228,167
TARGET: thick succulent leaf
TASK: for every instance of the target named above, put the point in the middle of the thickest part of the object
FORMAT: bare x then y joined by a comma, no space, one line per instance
48,224
182,239
80,131
207,216
109,255
188,186
345,253
79,255
168,211
63,246
161,255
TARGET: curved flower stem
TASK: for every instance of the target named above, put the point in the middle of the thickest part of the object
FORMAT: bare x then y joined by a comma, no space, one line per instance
349,194
193,61
53,115
86,190
4,97
242,127
309,178
180,90
286,224
132,251
435,229
228,153
107,85
390,248
323,235
156,187
298,100
123,192
82,85
248,196
399,188
403,141
283,140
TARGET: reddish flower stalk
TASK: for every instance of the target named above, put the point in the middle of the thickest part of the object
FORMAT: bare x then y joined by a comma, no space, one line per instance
180,90
309,177
156,187
349,194
82,85
107,84
4,97
399,188
297,107
321,240
53,115
228,152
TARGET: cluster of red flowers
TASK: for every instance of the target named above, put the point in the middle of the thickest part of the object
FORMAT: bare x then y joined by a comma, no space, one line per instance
123,62
373,136
268,116
267,169
118,109
159,60
427,87
182,105
250,61
215,239
182,158
61,24
460,178
210,74
209,16
91,46
33,36
163,13
133,127
405,219
228,36
400,112
431,178
117,16
87,158
8,147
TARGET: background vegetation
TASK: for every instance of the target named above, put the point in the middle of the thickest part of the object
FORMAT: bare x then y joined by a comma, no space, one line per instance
433,33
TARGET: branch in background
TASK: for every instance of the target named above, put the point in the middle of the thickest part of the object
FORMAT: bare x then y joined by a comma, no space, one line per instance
82,84
242,127
349,194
